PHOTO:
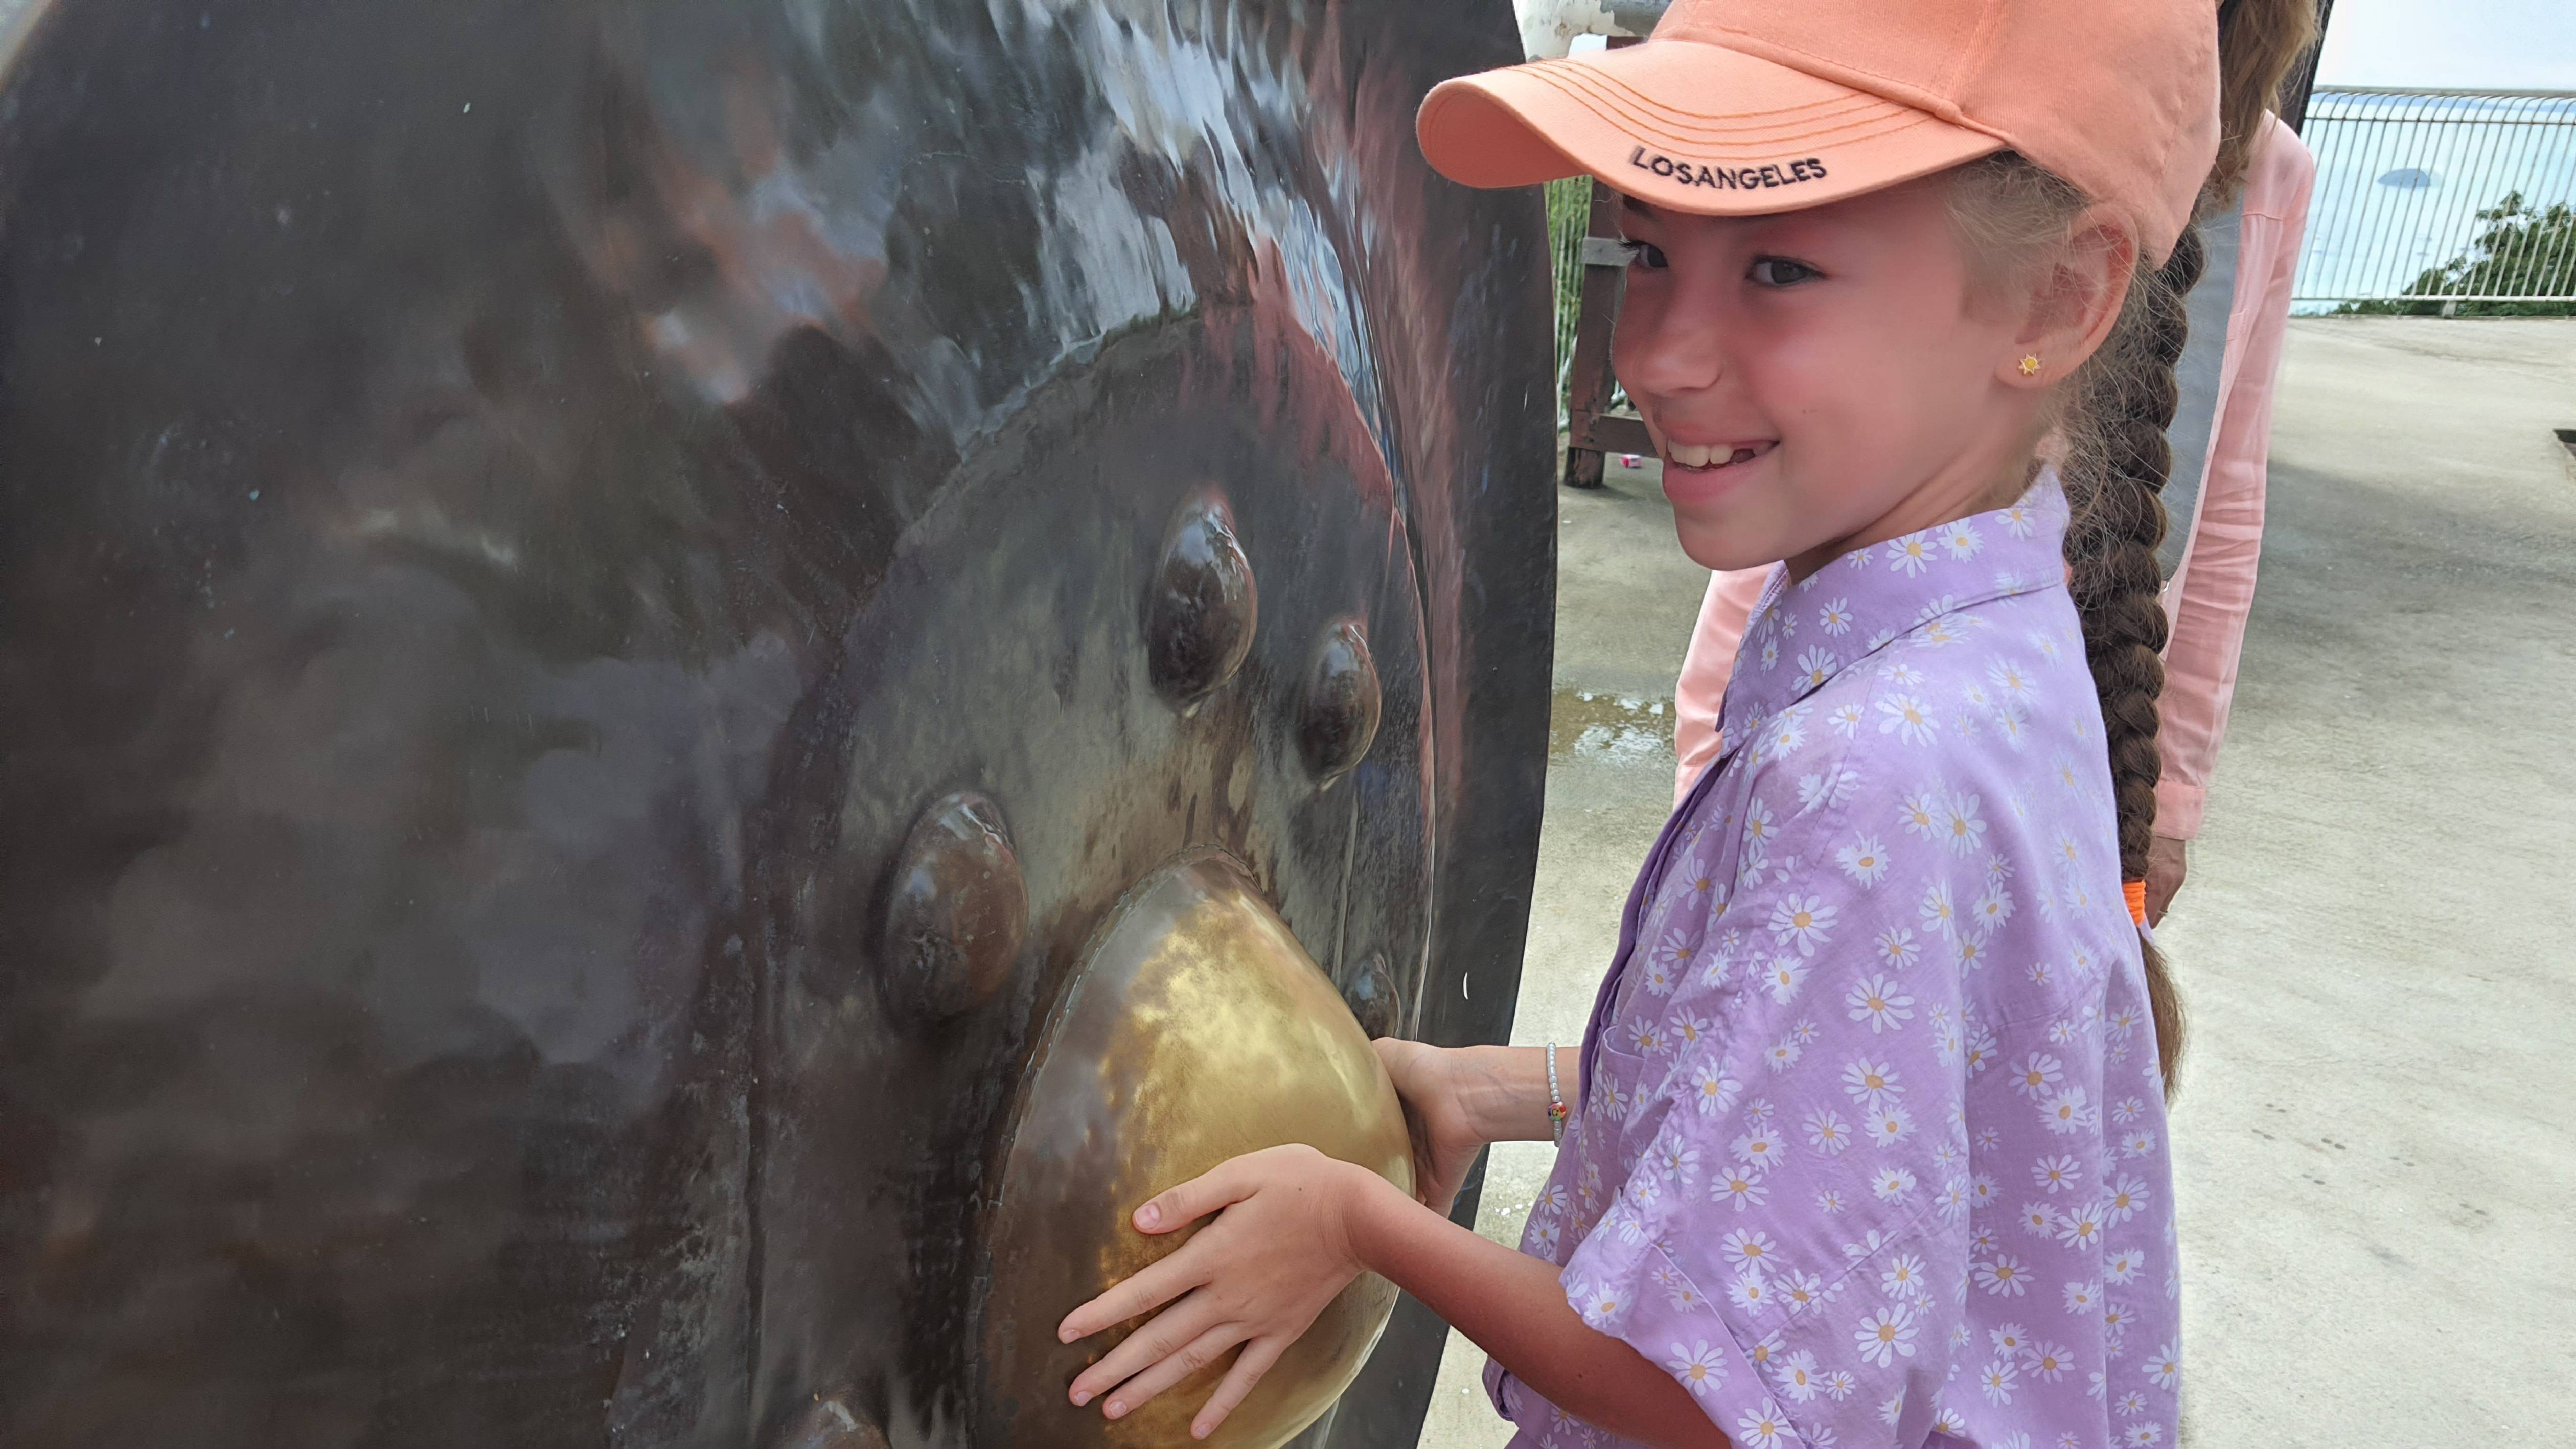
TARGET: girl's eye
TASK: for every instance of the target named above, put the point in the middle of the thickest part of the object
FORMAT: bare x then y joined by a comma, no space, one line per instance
1782,272
1647,255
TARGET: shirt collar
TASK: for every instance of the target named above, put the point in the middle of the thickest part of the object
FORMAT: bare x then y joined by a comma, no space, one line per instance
1802,635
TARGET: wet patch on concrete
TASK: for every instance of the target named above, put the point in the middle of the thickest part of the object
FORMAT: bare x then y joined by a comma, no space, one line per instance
1599,726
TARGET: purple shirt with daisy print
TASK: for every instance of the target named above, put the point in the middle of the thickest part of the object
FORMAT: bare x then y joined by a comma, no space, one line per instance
1871,1149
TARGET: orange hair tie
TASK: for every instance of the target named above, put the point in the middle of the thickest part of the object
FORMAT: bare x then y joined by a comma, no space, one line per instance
2136,891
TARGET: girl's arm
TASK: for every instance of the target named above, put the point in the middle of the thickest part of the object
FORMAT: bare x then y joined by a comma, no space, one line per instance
1293,1228
1514,1308
1459,1099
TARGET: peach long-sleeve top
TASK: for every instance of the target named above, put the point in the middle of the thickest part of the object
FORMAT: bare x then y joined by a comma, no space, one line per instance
2210,593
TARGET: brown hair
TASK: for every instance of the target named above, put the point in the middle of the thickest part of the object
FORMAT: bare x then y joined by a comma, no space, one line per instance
2110,419
2259,42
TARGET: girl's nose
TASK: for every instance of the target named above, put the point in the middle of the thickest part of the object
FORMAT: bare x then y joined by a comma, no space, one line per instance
1657,353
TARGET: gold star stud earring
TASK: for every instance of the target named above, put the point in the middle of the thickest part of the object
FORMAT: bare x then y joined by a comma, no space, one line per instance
2030,364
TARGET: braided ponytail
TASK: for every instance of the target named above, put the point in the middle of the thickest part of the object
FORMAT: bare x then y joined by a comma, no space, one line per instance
2110,422
2117,462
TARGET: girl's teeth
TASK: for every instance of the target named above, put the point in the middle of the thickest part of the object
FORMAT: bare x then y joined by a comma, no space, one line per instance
1695,455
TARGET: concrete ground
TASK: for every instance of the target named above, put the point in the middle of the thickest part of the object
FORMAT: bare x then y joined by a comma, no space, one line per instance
2377,1157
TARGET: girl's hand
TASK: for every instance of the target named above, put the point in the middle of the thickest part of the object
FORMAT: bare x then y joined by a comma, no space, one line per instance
1278,1252
1446,1135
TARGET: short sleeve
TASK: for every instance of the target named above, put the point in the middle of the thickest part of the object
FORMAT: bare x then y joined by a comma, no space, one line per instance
1793,1246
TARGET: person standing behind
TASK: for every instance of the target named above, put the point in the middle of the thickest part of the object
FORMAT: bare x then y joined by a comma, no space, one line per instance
2210,593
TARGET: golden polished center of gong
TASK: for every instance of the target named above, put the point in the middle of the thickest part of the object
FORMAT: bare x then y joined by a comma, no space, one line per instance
1196,1029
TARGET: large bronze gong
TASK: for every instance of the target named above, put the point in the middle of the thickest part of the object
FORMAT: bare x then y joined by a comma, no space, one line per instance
683,680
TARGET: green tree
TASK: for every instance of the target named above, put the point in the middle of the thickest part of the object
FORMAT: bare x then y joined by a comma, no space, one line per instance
2522,252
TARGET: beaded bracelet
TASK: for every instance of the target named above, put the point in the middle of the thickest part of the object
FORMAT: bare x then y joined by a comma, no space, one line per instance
1556,1113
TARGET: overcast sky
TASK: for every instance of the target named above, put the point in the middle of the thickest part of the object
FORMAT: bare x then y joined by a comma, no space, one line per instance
2452,44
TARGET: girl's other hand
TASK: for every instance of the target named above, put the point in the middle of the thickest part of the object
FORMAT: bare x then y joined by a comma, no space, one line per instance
2168,860
1277,1253
1446,1134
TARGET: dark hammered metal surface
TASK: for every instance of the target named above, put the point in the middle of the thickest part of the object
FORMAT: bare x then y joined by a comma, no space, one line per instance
590,630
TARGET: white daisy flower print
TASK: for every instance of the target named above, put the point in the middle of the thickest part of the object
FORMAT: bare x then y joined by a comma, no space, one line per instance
1699,1367
2039,1219
1800,1291
2128,1196
1597,1305
1845,719
2117,1319
1796,1377
1880,1002
2061,1173
1917,811
2066,1113
1805,922
1888,1126
1871,1085
2012,721
2038,1076
2143,1436
1864,860
1835,618
1896,947
1892,1184
2003,1275
2137,1144
1885,1335
1747,1246
1990,911
1902,1277
1998,1382
1785,976
2164,1366
1756,1152
1826,1132
1788,733
1831,788
1960,824
1910,555
2130,1404
1764,1428
2019,521
2048,1361
1938,913
1645,1037
1759,823
1749,1291
1953,1203
1829,1201
2123,1267
1679,1162
1713,1091
1738,1189
1908,718
2009,1340
1817,664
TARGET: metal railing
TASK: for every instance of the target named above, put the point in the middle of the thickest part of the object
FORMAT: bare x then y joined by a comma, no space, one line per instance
2440,201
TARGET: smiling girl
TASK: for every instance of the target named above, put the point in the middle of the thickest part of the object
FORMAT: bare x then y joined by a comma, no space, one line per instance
1869,1142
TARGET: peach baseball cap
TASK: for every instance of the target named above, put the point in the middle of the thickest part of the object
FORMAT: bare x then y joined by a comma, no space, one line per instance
1743,107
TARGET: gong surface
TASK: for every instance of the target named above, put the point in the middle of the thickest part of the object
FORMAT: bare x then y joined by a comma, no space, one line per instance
602,599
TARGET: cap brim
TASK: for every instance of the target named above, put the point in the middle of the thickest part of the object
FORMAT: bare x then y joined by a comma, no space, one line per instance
1688,126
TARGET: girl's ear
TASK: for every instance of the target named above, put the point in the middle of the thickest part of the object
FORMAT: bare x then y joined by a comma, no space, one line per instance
2076,304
